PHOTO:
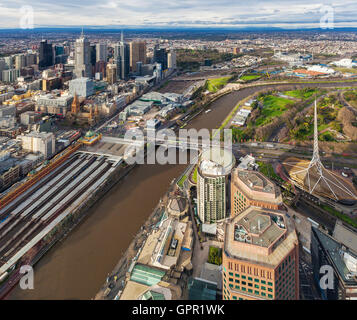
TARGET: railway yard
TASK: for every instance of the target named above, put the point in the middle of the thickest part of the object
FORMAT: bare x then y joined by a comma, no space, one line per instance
33,214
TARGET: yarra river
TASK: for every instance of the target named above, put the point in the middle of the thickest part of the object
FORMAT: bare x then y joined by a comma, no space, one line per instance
77,267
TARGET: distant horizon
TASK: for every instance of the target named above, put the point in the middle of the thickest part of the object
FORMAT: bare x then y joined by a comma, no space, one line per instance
181,28
286,14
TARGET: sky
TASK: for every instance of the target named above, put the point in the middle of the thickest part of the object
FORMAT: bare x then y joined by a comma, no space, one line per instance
178,13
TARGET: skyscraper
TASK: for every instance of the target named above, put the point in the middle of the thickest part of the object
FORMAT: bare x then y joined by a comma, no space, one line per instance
171,59
46,54
160,56
137,54
20,61
111,73
82,66
101,52
261,257
122,58
212,177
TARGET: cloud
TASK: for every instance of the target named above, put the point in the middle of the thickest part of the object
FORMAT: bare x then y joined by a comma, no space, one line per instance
216,13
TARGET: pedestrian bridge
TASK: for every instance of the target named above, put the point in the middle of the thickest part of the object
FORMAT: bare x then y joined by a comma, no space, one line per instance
169,142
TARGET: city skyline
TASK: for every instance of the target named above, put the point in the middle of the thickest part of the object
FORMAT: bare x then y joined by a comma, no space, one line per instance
190,151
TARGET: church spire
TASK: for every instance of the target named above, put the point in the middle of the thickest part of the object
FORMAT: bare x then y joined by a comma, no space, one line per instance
75,105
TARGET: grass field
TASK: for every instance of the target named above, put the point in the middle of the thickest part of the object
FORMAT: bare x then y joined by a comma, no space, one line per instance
250,77
301,94
272,107
213,85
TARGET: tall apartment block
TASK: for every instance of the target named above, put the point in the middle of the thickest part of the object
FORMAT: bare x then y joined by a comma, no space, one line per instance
101,52
260,257
46,54
251,188
212,178
137,54
82,66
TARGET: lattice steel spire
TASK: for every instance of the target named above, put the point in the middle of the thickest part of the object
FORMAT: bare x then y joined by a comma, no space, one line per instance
316,162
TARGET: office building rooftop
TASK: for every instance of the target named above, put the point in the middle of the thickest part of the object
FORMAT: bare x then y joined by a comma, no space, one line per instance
256,186
260,235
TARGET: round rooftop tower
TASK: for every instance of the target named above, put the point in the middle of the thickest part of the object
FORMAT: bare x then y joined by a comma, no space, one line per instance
214,167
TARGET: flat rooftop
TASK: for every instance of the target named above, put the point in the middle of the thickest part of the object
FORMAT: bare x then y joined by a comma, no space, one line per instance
259,228
258,186
159,249
256,181
260,236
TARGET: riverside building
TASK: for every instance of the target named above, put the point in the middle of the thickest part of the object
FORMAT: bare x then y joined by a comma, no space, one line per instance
214,167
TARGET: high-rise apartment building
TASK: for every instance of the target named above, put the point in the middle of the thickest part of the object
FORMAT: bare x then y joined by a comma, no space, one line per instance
212,177
10,75
101,52
160,56
171,60
93,58
31,58
122,59
8,62
46,54
20,61
137,54
111,73
260,257
251,188
82,54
